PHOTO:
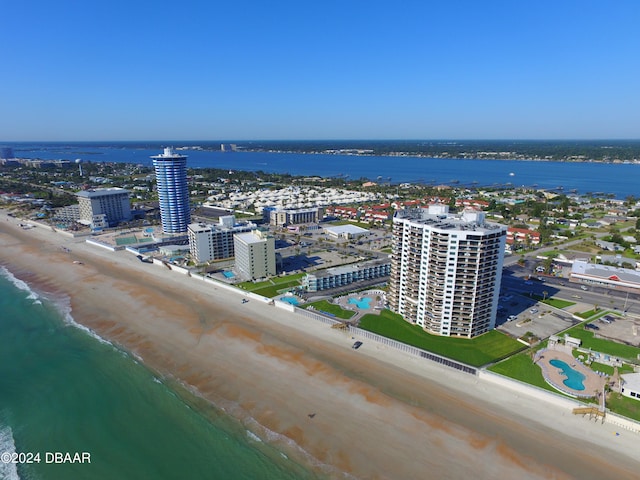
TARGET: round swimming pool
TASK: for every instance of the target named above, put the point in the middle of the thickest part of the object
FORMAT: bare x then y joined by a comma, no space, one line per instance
574,378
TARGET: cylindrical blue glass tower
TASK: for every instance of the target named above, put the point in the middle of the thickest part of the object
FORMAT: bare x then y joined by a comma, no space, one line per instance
173,192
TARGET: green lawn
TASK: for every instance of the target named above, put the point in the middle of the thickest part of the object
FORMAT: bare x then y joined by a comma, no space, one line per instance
288,278
336,310
487,348
269,288
521,367
627,407
600,367
558,303
602,345
273,290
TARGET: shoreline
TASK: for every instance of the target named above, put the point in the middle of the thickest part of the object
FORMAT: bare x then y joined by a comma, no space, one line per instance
433,156
379,413
399,153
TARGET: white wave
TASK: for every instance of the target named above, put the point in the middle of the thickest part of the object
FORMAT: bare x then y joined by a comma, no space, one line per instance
261,434
277,439
8,471
63,304
21,285
89,332
137,359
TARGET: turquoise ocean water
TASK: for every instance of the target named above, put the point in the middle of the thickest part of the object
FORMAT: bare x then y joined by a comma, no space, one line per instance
63,389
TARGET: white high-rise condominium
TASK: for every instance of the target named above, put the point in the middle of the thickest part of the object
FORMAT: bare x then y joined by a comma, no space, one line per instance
446,270
110,203
215,242
255,254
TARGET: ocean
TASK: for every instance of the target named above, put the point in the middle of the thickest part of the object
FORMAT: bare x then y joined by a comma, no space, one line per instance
619,180
64,389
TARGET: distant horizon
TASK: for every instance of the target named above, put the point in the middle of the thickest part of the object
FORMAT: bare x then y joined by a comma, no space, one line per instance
294,140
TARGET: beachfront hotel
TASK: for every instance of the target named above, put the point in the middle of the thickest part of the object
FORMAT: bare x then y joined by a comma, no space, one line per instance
215,241
255,254
103,207
446,270
344,275
173,192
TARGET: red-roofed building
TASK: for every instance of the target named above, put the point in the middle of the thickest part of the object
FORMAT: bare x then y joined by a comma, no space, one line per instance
377,216
348,213
522,235
478,204
382,206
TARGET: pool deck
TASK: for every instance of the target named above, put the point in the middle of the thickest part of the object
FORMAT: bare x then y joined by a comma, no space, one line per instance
290,299
344,303
592,382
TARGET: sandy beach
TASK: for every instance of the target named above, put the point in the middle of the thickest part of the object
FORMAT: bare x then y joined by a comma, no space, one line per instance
372,413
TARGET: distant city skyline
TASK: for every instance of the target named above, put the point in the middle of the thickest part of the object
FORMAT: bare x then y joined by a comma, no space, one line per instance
250,70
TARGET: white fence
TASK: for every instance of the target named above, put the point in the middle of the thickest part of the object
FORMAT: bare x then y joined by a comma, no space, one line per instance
101,245
403,347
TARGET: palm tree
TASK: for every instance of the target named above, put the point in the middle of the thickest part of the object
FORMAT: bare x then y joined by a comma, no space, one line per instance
544,295
617,379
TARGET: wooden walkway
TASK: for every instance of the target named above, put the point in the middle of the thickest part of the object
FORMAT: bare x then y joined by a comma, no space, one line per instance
593,412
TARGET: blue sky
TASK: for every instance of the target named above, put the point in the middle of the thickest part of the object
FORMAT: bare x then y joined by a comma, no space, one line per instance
348,69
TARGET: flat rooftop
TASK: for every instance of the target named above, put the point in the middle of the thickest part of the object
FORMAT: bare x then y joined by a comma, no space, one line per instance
350,229
101,192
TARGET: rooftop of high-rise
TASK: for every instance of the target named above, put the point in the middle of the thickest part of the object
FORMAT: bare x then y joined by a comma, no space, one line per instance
100,192
438,216
169,153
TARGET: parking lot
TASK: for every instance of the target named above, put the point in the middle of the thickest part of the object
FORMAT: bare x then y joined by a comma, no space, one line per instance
622,329
520,314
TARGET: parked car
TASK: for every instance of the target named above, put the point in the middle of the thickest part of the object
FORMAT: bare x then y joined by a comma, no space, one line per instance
592,326
511,318
533,310
356,345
